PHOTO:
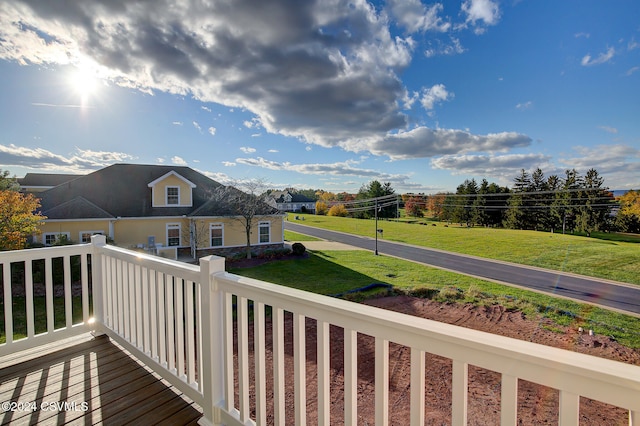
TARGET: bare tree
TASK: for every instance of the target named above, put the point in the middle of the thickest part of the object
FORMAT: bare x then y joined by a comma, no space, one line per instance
245,204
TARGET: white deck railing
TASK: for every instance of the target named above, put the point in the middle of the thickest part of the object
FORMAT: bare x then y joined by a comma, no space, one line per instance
192,325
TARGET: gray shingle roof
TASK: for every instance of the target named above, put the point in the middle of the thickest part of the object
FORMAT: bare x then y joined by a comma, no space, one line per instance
45,179
121,190
295,197
77,208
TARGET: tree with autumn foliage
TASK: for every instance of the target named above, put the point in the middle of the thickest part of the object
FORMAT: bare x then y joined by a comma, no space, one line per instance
18,219
338,210
321,208
415,207
435,204
628,218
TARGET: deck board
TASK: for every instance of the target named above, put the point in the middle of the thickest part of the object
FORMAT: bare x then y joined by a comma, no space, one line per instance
117,388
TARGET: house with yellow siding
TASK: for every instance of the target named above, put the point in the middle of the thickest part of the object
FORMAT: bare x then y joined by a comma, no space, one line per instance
167,210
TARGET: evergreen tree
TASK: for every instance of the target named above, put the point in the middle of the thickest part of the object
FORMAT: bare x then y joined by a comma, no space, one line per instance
376,190
517,217
595,206
462,212
554,216
570,198
495,204
538,200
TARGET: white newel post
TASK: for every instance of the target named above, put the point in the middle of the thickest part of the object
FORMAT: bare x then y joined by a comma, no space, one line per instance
98,241
212,338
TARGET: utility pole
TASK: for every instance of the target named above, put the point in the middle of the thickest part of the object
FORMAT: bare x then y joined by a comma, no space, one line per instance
376,215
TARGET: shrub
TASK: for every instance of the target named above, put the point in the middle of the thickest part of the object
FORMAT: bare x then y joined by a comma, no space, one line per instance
321,208
298,249
449,294
338,210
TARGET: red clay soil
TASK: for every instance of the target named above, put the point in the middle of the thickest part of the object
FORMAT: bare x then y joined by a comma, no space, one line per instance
537,404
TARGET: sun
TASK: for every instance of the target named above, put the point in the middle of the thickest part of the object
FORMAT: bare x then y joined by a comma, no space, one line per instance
85,84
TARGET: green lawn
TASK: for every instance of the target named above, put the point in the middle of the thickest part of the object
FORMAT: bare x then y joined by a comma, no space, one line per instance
334,272
294,236
616,258
40,315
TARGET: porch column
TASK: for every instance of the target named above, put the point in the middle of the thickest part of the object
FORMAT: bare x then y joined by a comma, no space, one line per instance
212,340
98,241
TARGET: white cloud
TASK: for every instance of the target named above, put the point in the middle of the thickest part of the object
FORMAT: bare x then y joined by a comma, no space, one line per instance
609,129
416,17
602,58
501,168
582,35
254,123
205,108
524,105
247,149
273,151
322,72
423,142
212,131
178,161
228,163
80,161
177,123
344,168
481,11
438,47
632,70
434,95
619,164
267,58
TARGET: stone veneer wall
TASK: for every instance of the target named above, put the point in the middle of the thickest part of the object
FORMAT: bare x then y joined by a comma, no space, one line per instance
234,251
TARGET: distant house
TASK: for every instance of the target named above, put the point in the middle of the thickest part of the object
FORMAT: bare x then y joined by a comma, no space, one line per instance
39,182
153,207
286,201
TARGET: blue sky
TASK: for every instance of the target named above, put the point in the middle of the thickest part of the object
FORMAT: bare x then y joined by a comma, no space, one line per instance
324,94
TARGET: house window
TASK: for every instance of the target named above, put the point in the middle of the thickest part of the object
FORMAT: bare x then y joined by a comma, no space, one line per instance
85,236
217,234
173,195
52,238
264,230
173,234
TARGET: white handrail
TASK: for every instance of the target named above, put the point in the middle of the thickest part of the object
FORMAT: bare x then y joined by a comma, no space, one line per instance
179,319
53,332
574,374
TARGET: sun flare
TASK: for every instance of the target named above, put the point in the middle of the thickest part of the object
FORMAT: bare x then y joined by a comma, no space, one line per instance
85,84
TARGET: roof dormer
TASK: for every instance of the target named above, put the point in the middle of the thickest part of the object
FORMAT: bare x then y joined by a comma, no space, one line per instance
172,190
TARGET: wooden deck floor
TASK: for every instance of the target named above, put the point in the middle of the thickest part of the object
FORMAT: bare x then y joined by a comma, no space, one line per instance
100,382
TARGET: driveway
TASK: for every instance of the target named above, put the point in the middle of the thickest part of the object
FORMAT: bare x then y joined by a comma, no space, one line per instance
614,295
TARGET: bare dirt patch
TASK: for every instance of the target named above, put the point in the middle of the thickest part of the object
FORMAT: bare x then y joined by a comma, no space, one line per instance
537,404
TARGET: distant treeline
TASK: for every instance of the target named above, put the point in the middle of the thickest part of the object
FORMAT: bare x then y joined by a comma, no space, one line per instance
571,202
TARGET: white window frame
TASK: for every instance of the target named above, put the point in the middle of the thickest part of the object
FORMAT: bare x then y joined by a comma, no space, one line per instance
171,226
219,226
91,233
166,196
262,225
55,235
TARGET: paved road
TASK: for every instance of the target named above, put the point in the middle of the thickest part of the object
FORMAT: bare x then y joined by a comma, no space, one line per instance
601,292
